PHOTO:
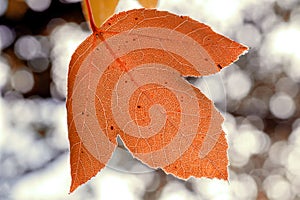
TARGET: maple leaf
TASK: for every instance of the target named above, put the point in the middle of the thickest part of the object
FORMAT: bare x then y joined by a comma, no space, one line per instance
126,79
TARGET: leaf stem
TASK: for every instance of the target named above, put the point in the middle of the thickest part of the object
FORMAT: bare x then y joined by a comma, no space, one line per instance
90,13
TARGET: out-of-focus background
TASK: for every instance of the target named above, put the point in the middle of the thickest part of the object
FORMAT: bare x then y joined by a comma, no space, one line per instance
258,95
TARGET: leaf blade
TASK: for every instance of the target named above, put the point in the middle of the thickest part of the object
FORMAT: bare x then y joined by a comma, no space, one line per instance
128,76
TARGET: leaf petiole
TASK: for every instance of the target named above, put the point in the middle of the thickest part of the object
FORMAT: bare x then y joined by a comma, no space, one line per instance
90,13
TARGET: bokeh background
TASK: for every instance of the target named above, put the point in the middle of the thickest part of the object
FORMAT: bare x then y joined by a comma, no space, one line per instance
258,95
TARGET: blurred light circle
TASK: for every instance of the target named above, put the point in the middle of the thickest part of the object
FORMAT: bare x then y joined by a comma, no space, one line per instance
246,142
257,10
277,187
175,190
279,50
211,188
283,41
22,80
4,72
265,143
282,105
296,123
295,182
250,35
39,64
238,85
256,121
294,137
287,4
226,14
7,36
293,161
244,187
269,21
38,5
292,70
263,92
229,124
45,44
27,47
295,14
287,85
63,48
12,95
3,6
278,152
236,159
254,106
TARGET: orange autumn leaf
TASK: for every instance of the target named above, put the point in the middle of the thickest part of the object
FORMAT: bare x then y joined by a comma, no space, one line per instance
148,3
102,9
126,79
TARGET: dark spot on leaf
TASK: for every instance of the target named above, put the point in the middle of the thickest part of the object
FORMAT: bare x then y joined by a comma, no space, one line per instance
109,23
111,128
82,113
219,66
181,17
205,59
138,106
133,39
136,18
125,81
166,82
